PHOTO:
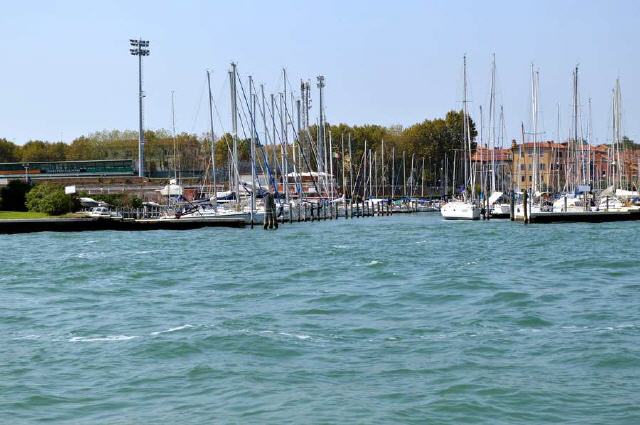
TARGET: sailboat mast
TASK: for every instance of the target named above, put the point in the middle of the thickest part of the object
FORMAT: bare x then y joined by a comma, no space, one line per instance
364,171
343,170
534,124
575,125
234,132
382,167
175,148
252,99
283,149
350,169
273,138
422,180
331,165
464,128
404,175
264,126
411,176
213,150
370,174
492,124
393,172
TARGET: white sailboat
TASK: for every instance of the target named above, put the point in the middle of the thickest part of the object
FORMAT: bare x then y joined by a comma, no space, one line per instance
465,209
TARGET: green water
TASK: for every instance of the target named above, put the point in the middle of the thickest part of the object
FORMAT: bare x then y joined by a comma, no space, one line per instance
404,319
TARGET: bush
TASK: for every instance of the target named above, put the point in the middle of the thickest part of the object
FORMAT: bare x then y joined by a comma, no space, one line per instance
120,200
50,199
13,196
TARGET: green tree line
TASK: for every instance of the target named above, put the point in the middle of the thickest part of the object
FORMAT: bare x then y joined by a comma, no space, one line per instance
431,138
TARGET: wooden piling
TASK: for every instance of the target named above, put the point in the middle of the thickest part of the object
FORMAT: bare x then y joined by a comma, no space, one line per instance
525,197
512,207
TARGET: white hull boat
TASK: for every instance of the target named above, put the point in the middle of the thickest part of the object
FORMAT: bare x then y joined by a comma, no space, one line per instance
460,210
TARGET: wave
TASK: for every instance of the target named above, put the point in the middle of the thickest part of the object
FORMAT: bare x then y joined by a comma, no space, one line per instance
177,328
108,338
301,336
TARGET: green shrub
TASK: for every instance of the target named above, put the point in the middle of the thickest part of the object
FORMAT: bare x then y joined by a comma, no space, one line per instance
50,199
120,200
13,196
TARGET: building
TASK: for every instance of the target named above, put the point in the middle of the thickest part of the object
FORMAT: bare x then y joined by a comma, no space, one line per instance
60,169
485,159
539,166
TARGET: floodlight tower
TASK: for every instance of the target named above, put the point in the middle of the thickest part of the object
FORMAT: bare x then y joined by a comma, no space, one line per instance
140,48
321,164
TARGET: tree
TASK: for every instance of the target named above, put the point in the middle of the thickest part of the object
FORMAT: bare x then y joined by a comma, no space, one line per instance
13,196
50,199
56,151
8,151
627,143
35,151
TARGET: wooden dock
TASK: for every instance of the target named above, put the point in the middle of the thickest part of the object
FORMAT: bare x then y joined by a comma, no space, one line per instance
582,216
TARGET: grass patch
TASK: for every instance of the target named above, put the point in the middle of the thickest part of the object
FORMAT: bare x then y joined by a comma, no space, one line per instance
7,215
17,215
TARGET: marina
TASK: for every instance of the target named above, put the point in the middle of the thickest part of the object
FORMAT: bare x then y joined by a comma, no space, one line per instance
360,212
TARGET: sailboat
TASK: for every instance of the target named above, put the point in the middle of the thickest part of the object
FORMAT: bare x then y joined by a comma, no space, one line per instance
209,210
466,208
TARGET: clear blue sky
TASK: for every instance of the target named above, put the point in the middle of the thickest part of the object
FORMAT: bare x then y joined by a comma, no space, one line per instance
66,69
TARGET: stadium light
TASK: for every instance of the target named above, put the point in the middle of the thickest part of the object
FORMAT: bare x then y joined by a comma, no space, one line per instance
140,48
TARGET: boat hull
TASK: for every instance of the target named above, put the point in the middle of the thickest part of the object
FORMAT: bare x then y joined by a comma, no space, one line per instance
501,211
460,211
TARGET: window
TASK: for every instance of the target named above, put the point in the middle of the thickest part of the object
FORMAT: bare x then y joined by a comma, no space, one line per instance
530,178
521,167
522,178
542,166
529,167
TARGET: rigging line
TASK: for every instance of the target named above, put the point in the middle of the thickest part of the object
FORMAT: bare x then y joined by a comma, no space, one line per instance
307,163
263,148
266,163
199,105
283,143
304,157
255,134
215,107
275,130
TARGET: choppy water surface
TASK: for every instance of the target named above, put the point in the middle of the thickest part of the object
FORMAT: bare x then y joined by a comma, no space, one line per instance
387,320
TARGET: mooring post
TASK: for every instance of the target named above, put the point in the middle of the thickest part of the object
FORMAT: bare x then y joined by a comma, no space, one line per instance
512,206
525,197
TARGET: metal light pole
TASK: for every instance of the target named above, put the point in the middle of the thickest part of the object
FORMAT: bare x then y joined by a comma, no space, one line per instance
320,161
140,48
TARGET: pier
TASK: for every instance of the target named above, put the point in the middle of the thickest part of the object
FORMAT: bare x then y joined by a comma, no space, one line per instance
306,212
580,216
